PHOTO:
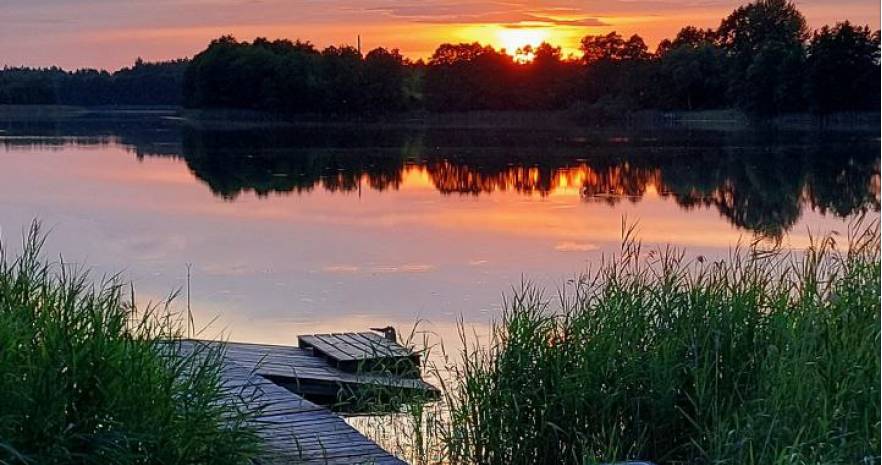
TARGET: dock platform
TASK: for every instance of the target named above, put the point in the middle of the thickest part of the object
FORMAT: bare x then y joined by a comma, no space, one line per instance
276,381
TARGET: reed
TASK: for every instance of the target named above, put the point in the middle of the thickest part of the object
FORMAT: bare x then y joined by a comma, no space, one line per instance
88,377
767,357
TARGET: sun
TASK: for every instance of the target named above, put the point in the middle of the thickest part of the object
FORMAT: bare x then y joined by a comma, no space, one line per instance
512,39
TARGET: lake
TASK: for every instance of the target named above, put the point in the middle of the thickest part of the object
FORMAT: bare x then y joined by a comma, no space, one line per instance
313,228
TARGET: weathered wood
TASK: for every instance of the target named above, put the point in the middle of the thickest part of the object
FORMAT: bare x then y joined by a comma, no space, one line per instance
273,379
293,362
381,341
293,429
362,352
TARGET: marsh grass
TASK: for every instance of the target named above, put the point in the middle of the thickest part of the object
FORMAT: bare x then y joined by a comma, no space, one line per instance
87,377
767,357
404,421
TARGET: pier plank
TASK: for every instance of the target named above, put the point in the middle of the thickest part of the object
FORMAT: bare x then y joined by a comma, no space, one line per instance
369,347
293,429
353,347
381,341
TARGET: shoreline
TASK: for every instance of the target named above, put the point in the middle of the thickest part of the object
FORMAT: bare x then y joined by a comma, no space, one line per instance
238,119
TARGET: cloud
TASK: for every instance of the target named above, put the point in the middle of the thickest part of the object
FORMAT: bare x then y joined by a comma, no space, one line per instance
488,13
416,268
570,246
542,21
381,269
340,269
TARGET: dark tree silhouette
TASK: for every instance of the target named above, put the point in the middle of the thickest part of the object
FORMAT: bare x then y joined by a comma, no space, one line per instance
762,59
294,77
470,77
612,47
142,84
691,76
384,81
766,43
843,69
616,73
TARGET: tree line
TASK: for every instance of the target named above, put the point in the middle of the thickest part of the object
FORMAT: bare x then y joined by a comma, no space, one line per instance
295,77
762,59
144,83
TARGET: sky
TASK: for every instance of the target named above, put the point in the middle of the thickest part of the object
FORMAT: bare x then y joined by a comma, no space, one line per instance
110,34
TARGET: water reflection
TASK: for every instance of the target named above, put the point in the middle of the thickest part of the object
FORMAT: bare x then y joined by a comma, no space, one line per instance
309,230
760,188
760,183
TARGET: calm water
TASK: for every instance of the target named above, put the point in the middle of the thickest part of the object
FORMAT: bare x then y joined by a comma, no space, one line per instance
337,228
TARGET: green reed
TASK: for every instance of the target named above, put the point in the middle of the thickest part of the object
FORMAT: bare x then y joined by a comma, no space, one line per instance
87,377
767,357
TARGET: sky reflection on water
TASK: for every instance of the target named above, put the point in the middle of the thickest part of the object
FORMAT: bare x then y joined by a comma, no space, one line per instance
298,232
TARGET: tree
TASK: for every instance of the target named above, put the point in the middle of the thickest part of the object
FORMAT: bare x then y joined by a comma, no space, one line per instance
294,77
615,68
692,36
601,47
750,27
452,54
689,36
772,82
550,81
691,77
613,47
384,80
843,69
342,78
466,77
765,41
690,71
634,49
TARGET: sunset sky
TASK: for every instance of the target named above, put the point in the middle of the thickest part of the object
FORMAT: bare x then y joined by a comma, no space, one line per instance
111,33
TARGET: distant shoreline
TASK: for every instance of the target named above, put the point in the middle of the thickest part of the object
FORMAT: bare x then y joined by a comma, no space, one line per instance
237,119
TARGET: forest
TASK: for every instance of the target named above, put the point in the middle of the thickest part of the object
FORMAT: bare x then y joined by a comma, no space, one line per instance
141,84
762,59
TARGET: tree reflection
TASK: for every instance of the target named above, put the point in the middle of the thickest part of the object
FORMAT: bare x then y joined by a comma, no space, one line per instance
758,184
759,187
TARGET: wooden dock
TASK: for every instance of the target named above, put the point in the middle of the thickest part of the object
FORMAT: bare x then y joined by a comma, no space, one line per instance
362,352
274,380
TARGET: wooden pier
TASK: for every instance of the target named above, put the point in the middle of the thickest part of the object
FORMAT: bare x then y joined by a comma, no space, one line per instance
275,381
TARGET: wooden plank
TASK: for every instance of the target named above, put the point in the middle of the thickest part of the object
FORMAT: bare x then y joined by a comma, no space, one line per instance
357,342
324,348
354,353
393,347
375,350
255,357
308,433
293,429
354,347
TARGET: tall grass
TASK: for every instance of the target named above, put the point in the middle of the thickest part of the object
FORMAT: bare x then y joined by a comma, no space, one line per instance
768,357
86,377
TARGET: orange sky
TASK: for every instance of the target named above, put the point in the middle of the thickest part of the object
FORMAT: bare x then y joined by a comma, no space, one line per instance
111,33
